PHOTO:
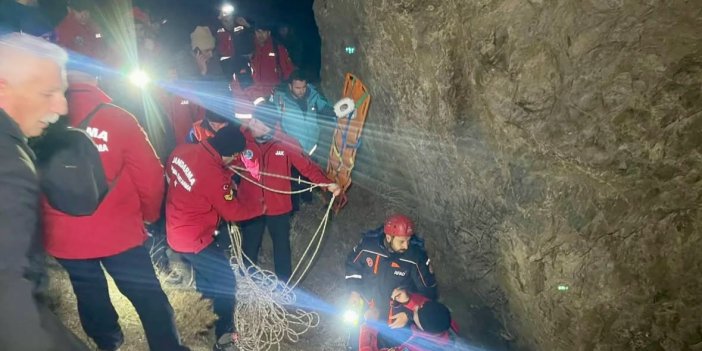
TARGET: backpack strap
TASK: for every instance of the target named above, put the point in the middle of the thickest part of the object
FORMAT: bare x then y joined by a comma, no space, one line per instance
84,124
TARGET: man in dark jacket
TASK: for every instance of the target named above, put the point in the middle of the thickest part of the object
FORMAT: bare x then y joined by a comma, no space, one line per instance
32,83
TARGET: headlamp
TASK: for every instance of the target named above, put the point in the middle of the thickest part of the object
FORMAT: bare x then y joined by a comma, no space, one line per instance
351,317
139,78
227,9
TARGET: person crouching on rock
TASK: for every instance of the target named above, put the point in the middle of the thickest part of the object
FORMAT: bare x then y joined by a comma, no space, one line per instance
200,195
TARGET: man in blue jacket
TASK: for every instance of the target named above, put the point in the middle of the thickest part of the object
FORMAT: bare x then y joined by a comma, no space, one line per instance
300,107
304,111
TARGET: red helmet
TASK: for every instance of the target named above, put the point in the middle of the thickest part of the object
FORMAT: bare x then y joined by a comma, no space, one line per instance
399,225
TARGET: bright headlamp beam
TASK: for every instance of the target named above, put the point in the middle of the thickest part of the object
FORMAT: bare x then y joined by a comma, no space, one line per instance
227,9
139,78
351,317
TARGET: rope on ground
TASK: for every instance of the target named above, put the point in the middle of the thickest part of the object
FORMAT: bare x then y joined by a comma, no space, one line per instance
265,312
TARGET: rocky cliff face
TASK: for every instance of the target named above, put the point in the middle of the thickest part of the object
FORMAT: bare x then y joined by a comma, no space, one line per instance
551,152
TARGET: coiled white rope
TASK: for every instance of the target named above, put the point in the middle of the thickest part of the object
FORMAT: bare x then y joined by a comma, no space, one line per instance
265,312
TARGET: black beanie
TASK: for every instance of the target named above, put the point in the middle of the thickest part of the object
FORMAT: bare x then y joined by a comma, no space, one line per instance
434,317
215,117
267,114
228,141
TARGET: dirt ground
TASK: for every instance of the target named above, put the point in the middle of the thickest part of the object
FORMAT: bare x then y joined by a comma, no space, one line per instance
193,317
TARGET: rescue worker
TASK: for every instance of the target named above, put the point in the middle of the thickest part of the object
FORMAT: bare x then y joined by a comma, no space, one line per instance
207,127
430,329
200,197
269,150
234,40
78,33
270,63
386,258
113,236
182,112
32,85
247,94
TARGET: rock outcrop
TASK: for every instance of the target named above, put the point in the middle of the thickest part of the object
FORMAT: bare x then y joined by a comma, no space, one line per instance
551,152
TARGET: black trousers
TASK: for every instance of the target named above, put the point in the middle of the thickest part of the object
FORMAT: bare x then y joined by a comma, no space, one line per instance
296,186
135,278
215,280
279,228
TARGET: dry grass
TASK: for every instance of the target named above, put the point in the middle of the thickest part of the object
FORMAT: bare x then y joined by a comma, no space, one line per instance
193,315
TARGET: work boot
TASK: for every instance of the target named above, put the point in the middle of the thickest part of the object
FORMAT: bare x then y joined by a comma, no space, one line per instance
227,342
117,344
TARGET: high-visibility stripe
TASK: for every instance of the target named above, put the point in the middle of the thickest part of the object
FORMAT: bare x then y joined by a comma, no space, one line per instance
418,271
243,115
354,276
314,148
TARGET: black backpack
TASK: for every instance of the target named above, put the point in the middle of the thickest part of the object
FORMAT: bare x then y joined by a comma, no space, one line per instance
70,170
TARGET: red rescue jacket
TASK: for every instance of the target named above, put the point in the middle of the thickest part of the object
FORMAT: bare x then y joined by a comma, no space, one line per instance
245,99
134,172
225,45
200,194
182,115
83,39
275,157
264,64
419,341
